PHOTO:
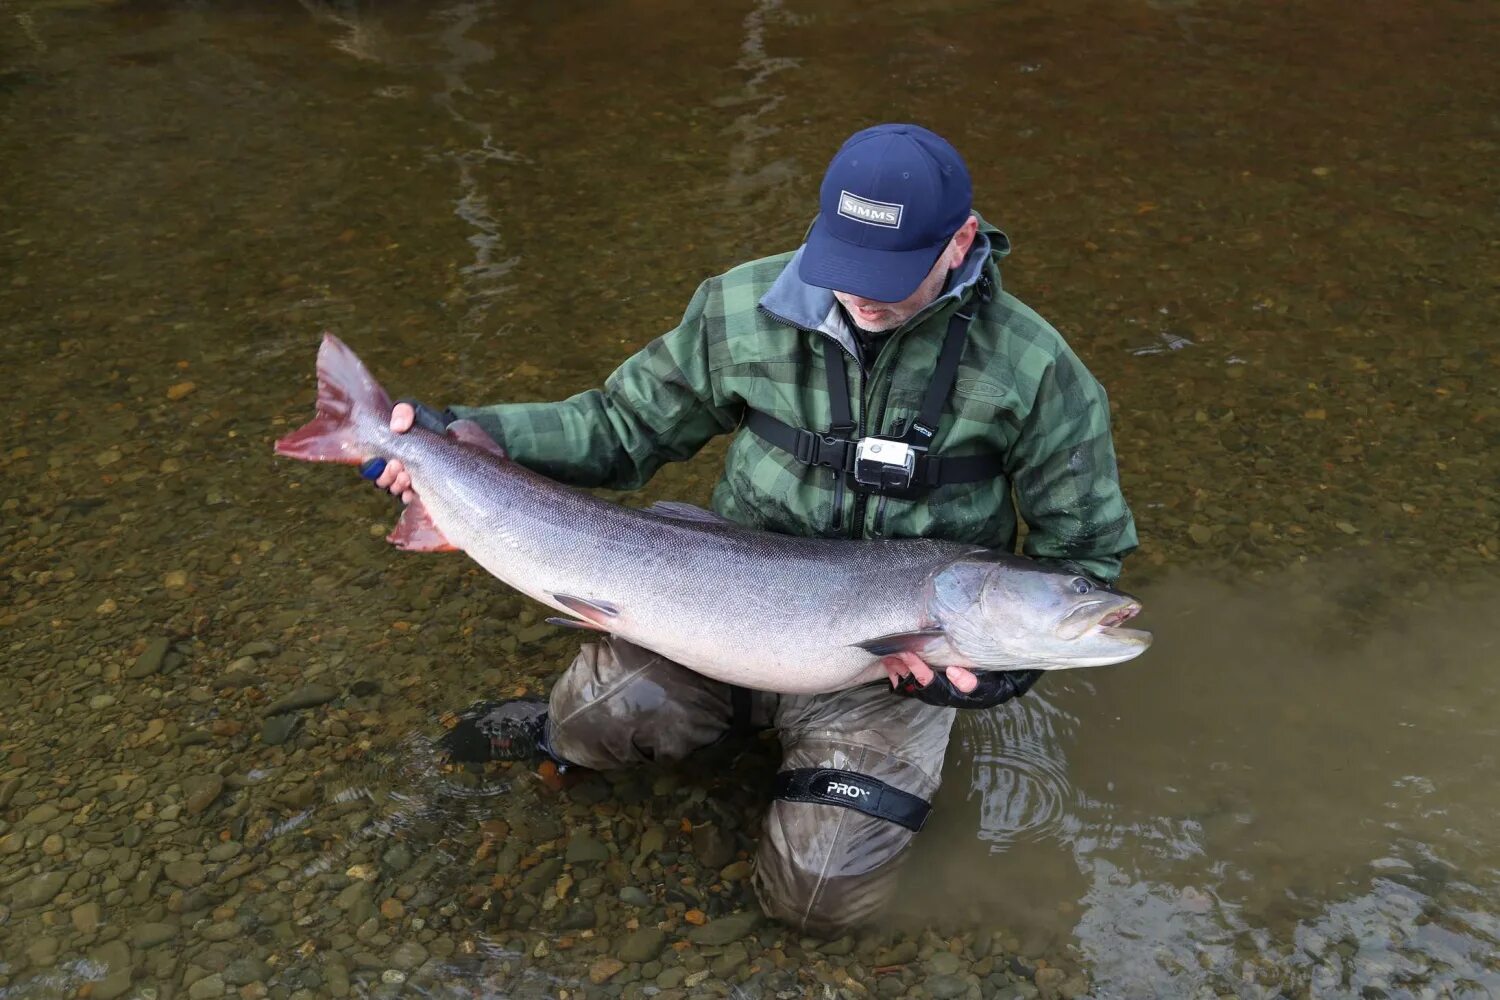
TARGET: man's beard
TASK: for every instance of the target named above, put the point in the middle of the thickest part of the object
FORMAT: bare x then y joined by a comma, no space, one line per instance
885,327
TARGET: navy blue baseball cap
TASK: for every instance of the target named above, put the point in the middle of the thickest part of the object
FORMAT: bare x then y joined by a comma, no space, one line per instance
892,198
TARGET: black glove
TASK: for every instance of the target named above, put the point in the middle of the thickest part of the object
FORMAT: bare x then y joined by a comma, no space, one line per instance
424,417
995,687
428,418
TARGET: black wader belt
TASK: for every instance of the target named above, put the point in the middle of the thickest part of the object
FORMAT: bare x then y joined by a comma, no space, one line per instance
860,792
835,449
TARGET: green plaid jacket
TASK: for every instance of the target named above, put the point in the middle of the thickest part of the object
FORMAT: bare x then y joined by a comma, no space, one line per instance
758,338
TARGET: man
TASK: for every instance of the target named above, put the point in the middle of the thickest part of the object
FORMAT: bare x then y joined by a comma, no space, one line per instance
879,383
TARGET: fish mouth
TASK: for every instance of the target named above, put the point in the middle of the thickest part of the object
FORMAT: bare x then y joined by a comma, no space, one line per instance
1102,618
1109,624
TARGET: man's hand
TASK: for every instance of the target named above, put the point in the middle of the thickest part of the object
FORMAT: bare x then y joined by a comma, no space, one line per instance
901,665
392,475
956,687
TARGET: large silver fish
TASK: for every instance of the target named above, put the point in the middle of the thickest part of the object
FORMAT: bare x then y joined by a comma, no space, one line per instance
773,612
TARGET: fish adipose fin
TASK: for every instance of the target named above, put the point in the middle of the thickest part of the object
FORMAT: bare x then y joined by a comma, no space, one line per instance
416,532
469,432
575,623
601,613
348,398
922,640
685,512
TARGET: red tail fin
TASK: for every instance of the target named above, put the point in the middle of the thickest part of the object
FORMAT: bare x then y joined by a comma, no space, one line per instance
348,397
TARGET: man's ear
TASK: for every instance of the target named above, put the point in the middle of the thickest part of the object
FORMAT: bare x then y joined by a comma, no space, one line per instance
963,240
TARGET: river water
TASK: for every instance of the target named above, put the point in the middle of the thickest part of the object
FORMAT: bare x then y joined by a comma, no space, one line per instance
1269,229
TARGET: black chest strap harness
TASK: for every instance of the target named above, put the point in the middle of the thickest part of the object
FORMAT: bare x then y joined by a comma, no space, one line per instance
860,792
898,465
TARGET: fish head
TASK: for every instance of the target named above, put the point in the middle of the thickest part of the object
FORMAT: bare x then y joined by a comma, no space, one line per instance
1003,612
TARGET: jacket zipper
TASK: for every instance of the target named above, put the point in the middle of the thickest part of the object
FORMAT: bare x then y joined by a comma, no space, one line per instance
878,423
857,528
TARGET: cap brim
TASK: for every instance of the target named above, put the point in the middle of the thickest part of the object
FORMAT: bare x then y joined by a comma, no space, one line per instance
882,275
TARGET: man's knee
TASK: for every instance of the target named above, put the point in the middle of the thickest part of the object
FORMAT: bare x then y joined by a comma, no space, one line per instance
619,704
825,869
847,806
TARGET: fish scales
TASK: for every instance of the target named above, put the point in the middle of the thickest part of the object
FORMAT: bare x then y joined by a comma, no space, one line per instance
684,589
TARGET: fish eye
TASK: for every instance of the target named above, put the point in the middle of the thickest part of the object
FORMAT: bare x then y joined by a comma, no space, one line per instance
1081,586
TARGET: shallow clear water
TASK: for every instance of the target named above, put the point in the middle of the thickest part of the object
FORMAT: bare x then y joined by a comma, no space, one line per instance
1268,229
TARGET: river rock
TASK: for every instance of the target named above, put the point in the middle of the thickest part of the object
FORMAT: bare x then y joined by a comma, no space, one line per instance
642,945
725,929
397,857
227,851
713,848
278,729
307,697
582,848
85,917
946,987
336,979
227,930
40,815
635,896
37,890
151,935
201,790
1048,979
150,661
731,961
207,987
603,969
114,958
185,873
735,872
351,895
243,971
41,951
408,955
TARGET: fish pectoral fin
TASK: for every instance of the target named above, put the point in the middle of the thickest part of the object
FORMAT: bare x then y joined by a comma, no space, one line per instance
575,623
469,432
601,613
918,642
416,531
685,512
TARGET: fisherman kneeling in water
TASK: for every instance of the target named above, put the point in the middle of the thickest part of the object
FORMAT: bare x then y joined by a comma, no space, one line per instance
879,383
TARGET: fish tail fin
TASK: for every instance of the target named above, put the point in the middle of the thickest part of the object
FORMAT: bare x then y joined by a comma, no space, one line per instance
352,410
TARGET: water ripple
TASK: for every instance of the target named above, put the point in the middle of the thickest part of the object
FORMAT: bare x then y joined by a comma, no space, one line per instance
1019,770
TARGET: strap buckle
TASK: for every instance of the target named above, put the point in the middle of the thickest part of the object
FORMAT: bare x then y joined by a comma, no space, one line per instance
829,450
805,448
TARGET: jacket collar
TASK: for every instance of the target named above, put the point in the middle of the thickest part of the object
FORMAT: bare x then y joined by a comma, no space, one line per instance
808,307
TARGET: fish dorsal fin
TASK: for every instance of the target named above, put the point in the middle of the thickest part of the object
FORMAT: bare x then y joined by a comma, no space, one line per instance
904,642
416,531
469,432
685,512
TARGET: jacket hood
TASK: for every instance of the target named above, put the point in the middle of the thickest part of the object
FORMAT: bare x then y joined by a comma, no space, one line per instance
809,307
